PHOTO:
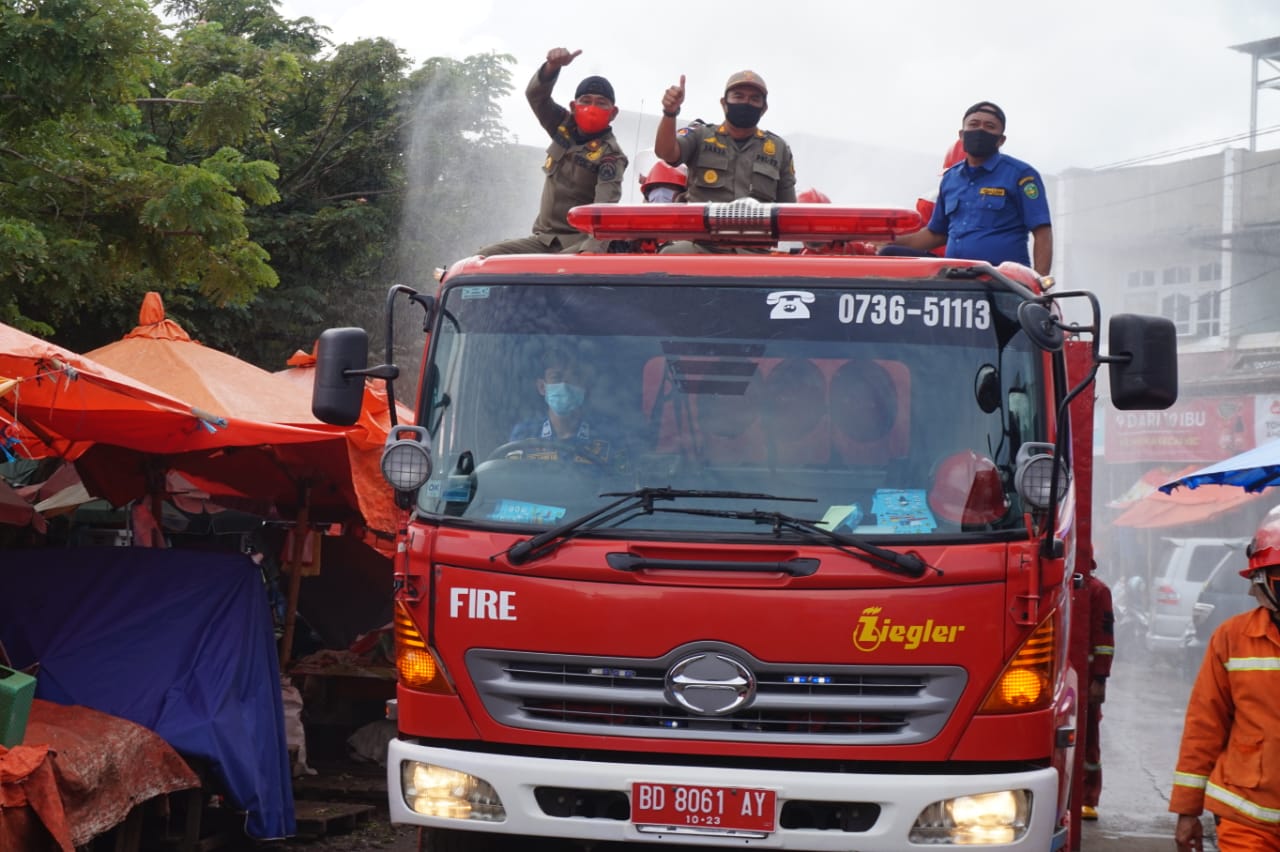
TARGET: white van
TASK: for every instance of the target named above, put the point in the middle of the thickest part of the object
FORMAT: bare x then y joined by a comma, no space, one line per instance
1189,564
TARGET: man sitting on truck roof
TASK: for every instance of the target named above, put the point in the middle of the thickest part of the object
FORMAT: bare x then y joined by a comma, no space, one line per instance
732,160
988,202
584,162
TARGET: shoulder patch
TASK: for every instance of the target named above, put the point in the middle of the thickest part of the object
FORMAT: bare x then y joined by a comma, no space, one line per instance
683,131
1031,190
609,169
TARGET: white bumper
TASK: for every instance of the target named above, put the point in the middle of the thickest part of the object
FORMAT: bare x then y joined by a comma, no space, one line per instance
901,799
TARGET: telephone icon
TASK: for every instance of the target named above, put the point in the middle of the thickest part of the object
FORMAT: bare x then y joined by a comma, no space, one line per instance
790,304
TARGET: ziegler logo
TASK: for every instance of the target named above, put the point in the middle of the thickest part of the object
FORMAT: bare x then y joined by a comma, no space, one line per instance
872,631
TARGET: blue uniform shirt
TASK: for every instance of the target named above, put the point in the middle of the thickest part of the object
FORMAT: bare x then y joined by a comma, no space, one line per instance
598,439
987,211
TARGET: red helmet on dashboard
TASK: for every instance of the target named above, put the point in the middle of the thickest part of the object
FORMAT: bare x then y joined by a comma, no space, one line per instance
967,490
1264,550
813,196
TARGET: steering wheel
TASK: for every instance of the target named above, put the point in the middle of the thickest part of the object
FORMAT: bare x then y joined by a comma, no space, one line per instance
567,451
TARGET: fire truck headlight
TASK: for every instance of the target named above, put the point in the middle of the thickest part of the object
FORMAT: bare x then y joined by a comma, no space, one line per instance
438,791
981,819
406,462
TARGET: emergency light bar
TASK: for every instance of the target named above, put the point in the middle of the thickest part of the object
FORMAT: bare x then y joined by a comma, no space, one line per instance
744,220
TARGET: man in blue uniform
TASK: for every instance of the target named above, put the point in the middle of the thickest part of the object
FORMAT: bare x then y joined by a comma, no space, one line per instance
988,202
593,439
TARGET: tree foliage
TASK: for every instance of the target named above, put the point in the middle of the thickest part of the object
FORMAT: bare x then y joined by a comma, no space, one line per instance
234,160
92,210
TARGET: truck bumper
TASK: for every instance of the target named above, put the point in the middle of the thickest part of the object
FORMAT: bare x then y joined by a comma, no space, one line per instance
900,798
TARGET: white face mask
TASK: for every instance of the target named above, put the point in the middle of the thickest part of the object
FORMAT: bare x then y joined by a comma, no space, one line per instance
661,195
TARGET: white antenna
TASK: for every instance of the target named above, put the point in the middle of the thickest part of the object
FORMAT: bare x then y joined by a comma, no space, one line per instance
631,185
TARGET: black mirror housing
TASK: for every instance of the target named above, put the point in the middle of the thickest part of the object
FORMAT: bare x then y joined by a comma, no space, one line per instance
1143,359
337,396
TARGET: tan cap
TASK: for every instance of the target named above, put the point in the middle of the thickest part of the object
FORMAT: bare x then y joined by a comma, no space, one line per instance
747,78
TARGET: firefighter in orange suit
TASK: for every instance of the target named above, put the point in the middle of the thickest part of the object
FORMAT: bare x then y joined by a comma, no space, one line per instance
1102,649
1229,760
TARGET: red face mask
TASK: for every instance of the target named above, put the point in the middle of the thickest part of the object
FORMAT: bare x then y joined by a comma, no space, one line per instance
591,119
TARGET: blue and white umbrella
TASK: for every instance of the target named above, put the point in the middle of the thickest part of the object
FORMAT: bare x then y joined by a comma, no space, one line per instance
1252,470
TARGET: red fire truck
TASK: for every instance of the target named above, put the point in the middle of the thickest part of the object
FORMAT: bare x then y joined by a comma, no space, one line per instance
745,548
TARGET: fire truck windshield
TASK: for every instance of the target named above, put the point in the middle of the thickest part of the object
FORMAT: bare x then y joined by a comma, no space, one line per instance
892,408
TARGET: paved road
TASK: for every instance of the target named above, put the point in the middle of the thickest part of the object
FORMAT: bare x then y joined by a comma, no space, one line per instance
1141,726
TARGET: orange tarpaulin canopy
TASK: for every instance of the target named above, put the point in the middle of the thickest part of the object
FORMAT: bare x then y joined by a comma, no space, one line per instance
67,402
122,432
160,353
1184,506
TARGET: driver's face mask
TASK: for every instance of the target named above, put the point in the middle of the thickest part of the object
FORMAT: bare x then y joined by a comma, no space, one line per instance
563,397
661,195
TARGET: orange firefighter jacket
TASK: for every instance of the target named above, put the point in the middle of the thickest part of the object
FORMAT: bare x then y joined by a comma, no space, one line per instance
1229,761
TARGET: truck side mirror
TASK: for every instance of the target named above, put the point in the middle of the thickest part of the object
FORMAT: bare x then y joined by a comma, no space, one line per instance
1143,359
337,395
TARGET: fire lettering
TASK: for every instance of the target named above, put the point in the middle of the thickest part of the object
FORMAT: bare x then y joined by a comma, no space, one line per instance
872,631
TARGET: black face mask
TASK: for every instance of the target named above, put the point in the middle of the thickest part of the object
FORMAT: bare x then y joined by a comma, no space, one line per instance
743,115
980,143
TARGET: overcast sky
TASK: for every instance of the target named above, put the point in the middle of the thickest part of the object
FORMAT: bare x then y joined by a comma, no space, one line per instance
1084,84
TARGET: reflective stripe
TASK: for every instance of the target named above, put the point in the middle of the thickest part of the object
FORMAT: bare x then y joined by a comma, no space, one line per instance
1186,779
1253,664
1092,767
1243,805
1105,650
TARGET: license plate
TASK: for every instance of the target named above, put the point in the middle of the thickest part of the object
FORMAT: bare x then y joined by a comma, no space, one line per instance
707,809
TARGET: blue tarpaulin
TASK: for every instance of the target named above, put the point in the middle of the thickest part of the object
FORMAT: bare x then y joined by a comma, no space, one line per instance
180,642
1252,470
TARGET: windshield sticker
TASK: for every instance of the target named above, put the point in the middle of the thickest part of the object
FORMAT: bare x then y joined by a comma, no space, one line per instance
873,631
903,511
475,292
520,512
789,304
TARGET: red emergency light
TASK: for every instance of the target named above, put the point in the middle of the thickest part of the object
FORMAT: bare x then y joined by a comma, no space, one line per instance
745,220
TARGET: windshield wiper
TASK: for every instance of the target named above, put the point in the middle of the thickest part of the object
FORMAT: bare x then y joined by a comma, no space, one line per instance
639,501
907,564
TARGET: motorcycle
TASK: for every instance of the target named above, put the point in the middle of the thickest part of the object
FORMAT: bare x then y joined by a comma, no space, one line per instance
1131,616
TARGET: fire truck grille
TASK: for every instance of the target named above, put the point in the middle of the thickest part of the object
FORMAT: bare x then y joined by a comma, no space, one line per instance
860,705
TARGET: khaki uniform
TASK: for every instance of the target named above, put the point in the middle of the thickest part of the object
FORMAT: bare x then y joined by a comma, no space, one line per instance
722,169
577,173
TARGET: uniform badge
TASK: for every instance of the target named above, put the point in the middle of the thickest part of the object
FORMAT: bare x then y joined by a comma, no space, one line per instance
547,164
593,144
770,148
1031,191
710,176
595,154
608,170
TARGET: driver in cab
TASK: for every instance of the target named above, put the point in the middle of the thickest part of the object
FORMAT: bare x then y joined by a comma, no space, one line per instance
567,432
